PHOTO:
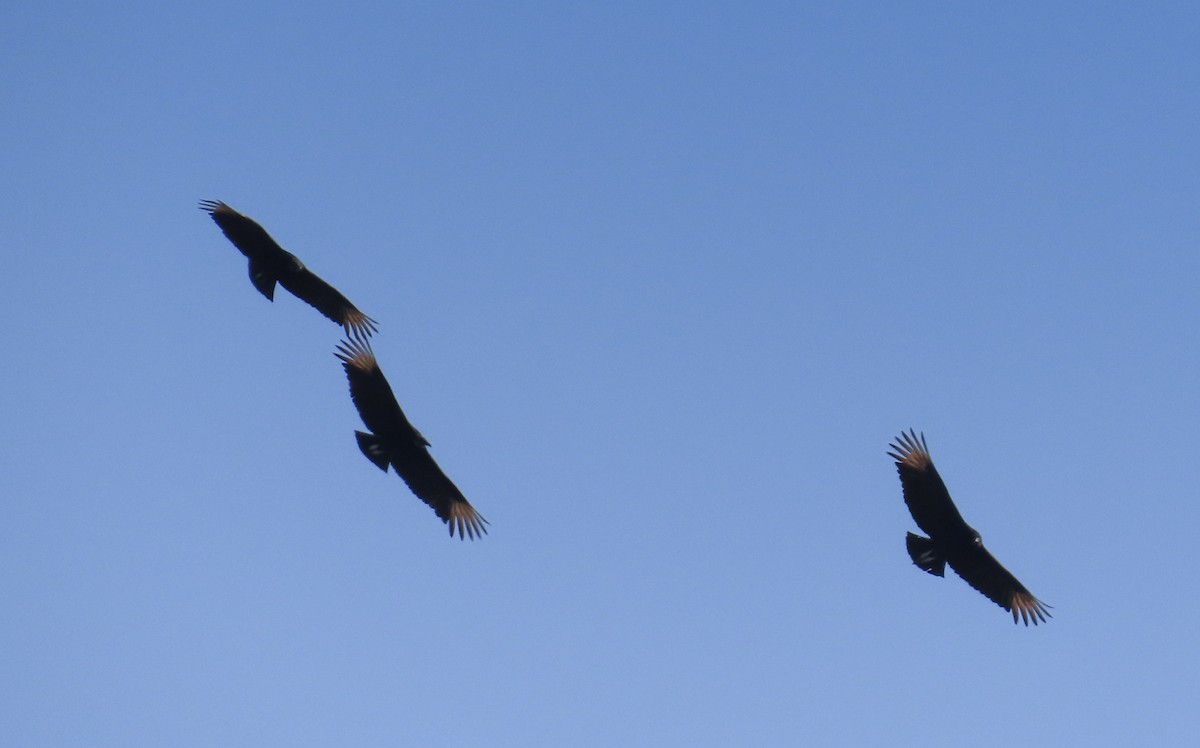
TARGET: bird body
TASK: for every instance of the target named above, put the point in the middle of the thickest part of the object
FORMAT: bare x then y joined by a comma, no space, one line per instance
271,264
396,442
951,540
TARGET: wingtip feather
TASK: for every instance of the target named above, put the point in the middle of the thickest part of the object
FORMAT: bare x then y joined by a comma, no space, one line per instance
1026,608
356,352
359,326
467,522
909,449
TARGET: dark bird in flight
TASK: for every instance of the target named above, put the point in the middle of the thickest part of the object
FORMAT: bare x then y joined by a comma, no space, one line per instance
951,540
271,263
394,441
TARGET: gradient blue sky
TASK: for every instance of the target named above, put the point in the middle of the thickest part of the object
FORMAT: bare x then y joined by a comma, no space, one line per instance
659,282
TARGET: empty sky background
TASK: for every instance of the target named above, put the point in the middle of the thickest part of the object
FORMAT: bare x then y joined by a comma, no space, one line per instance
660,282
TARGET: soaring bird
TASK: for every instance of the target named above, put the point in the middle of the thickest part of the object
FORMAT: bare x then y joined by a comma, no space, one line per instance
951,540
271,263
394,441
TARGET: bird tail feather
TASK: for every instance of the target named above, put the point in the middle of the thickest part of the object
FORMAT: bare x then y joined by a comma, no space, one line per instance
372,446
262,280
925,555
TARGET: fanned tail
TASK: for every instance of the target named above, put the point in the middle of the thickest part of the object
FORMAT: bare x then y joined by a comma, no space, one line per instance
262,280
925,555
373,447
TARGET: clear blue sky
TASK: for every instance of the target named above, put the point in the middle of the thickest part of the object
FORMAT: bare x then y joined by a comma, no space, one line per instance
660,282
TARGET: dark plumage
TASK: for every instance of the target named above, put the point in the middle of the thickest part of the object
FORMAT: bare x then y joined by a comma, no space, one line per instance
951,540
395,442
271,263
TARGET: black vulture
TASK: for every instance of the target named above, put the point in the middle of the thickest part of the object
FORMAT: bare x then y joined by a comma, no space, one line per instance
270,263
951,540
394,441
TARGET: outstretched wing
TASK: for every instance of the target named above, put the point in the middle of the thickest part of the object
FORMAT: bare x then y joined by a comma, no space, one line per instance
370,391
310,288
427,480
983,572
410,456
924,492
251,239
